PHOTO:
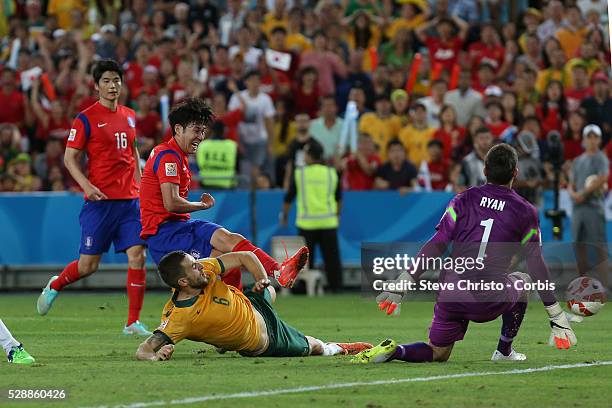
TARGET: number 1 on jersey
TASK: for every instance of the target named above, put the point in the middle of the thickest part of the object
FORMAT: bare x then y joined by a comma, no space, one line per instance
121,140
488,224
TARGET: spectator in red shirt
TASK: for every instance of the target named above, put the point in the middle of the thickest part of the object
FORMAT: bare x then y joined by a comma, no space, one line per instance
484,77
306,92
494,120
445,47
134,70
221,68
148,125
438,165
12,101
450,135
553,108
581,89
572,140
360,167
230,119
274,82
488,49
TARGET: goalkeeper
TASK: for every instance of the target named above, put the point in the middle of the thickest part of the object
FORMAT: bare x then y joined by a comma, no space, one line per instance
203,308
491,215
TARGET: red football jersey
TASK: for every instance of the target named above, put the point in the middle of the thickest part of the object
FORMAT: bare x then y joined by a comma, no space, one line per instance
108,137
166,164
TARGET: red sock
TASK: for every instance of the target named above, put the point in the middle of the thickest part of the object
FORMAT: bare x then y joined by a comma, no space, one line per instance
69,274
269,263
233,277
135,291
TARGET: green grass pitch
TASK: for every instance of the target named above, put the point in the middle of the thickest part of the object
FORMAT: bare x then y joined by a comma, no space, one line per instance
79,348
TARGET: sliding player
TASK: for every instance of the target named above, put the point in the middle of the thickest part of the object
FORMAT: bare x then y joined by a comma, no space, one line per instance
106,131
493,215
166,224
15,353
205,309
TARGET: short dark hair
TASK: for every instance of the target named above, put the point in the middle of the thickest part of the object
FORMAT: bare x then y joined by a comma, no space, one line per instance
314,150
500,163
278,29
105,65
190,111
395,142
482,129
435,142
170,269
251,73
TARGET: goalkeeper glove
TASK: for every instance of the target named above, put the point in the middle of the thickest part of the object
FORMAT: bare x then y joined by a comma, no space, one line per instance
390,302
562,336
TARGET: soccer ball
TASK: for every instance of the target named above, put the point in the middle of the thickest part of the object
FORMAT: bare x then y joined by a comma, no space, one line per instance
585,296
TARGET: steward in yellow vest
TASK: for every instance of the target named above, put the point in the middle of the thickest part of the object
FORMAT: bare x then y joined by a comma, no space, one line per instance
216,158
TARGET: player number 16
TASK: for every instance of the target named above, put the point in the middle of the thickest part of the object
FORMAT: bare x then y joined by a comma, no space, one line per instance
121,140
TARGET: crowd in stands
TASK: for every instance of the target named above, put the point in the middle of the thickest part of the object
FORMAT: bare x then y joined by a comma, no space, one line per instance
404,95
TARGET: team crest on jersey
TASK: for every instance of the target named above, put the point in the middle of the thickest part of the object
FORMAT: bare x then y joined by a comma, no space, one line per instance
131,121
195,253
72,135
171,169
88,242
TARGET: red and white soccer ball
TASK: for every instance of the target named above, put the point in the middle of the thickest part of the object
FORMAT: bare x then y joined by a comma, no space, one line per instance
585,296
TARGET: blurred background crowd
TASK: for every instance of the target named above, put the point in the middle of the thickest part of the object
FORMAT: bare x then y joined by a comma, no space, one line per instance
429,86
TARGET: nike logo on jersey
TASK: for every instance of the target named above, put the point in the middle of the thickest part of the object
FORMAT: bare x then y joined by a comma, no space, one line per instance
101,124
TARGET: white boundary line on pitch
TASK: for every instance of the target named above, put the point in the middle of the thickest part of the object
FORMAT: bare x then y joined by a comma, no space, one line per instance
252,394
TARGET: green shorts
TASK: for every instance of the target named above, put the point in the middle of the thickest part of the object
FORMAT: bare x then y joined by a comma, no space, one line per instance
285,341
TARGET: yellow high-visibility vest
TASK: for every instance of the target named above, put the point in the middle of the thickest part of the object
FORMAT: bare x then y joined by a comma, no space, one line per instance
317,207
217,162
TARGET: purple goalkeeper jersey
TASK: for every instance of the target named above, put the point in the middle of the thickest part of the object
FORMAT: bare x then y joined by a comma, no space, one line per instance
491,222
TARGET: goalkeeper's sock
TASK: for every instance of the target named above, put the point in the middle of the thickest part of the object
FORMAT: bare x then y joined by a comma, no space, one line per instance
69,275
6,338
136,279
413,353
233,277
269,263
511,322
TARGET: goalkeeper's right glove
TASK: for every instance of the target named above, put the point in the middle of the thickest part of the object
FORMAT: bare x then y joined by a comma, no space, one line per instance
562,336
391,302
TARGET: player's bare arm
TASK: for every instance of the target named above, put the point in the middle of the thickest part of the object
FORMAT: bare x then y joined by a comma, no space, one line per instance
173,202
156,348
251,263
138,172
71,160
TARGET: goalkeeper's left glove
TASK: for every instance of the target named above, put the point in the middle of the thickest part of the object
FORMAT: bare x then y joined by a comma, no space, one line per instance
562,336
391,302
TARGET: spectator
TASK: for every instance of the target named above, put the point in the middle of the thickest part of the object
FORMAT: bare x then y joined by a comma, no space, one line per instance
356,78
472,166
50,123
553,108
444,48
398,52
326,63
396,173
284,133
327,128
509,104
296,41
400,102
438,166
449,134
52,157
529,178
358,169
21,169
556,72
148,125
363,32
381,124
580,89
231,21
306,92
416,135
598,108
296,149
495,118
411,16
465,148
245,48
434,103
466,101
489,49
572,141
12,100
554,22
10,140
256,129
572,34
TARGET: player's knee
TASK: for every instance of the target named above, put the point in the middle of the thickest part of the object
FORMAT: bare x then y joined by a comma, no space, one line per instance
137,259
233,239
87,267
316,347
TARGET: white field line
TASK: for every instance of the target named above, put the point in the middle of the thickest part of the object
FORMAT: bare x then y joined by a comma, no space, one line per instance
253,394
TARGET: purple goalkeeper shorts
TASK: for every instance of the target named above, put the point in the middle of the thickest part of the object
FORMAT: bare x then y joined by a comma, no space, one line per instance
450,319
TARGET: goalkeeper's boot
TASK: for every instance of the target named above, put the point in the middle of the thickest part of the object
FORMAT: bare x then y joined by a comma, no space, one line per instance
513,356
18,355
136,329
377,354
291,267
46,298
351,349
